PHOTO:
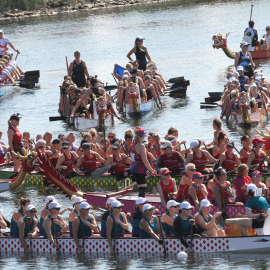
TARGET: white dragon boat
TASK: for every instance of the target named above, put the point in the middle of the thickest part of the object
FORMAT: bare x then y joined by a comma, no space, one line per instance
143,107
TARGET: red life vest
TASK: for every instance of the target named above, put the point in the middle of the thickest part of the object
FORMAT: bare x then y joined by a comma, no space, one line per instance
226,196
166,189
54,161
89,162
119,167
218,156
157,150
182,191
197,195
67,162
258,159
228,163
197,161
244,159
17,137
170,162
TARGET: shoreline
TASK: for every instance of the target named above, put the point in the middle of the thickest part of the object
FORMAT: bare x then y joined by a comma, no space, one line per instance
61,7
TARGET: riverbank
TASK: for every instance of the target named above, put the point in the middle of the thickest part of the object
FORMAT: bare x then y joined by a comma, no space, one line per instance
61,7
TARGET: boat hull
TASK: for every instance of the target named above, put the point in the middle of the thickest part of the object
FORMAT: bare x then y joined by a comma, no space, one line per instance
6,89
255,117
86,123
139,245
143,107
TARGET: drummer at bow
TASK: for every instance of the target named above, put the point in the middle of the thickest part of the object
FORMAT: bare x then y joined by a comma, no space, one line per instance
256,211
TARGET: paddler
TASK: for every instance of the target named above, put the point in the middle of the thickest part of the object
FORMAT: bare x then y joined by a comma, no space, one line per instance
140,164
28,225
117,162
228,160
83,225
166,187
128,143
138,81
90,160
3,150
155,147
54,224
197,191
4,43
48,138
56,145
15,139
3,223
116,223
256,211
245,151
170,159
151,93
77,70
137,217
256,177
199,156
141,53
66,159
257,155
243,80
220,146
5,78
185,183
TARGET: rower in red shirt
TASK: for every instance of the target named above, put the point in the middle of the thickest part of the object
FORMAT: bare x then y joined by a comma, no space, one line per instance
229,159
89,160
166,187
257,154
245,151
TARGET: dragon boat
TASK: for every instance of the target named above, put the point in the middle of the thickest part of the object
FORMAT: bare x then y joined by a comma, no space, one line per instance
148,106
128,244
257,52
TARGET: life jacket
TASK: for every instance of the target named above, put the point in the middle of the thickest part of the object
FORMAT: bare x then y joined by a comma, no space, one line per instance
258,159
119,167
228,163
182,193
166,189
218,155
244,159
197,161
67,162
226,196
17,137
170,162
90,162
199,195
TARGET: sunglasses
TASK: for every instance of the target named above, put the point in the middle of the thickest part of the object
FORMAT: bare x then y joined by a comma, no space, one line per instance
257,175
246,140
267,29
110,136
40,147
229,146
141,203
93,135
150,210
223,174
118,207
175,206
193,170
33,211
186,209
77,54
166,174
57,209
253,87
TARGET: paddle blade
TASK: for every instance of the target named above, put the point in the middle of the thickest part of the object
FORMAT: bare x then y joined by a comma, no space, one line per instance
57,118
96,174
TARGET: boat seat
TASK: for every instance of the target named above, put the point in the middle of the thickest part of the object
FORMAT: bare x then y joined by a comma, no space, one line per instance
266,227
248,39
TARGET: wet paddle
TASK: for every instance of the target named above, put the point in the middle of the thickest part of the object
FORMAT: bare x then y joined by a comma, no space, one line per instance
251,12
224,212
162,236
120,118
28,219
83,236
56,238
115,232
67,64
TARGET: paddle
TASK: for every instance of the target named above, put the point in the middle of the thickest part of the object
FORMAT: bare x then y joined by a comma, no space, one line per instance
120,118
205,164
257,165
28,223
264,103
224,212
61,170
236,150
56,238
115,232
57,118
251,12
18,53
83,236
186,151
96,174
162,236
191,236
67,64
7,164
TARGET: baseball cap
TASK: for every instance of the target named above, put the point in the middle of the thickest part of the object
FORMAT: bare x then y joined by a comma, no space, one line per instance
49,198
147,206
258,140
240,68
141,200
141,132
197,175
78,200
65,145
140,39
111,200
116,146
244,43
205,203
165,171
93,81
171,203
185,205
245,137
1,31
251,187
84,205
54,205
133,71
166,144
56,141
116,204
256,173
194,144
30,207
86,146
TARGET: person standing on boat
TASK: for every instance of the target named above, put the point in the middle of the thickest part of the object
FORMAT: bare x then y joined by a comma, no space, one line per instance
28,225
166,187
182,224
222,189
240,183
141,53
78,70
168,218
170,159
185,183
15,139
257,154
256,211
206,222
140,164
4,43
54,224
267,35
244,59
253,35
197,191
245,151
83,225
116,223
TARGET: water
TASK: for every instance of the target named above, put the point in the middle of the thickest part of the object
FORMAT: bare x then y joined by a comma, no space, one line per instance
179,39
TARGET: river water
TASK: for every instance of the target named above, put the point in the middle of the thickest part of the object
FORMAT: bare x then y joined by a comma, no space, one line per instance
179,39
